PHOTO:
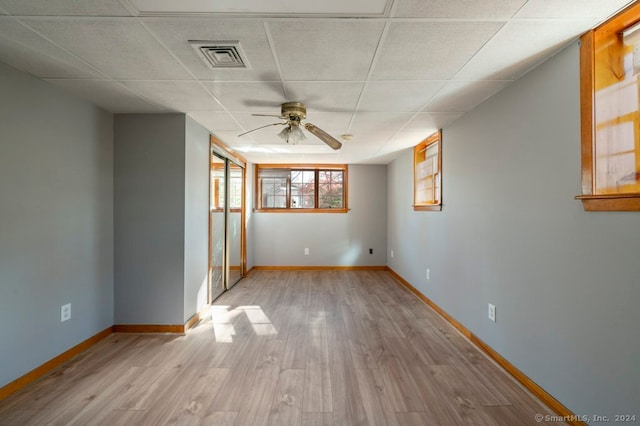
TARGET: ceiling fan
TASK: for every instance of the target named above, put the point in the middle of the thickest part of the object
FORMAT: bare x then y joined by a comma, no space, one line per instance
293,113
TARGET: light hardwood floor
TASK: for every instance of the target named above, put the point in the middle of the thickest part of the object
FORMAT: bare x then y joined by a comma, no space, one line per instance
286,348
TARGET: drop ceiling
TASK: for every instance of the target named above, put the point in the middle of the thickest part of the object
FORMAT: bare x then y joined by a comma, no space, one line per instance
389,72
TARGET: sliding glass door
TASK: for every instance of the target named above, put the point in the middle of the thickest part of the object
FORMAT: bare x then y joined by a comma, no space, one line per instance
226,225
234,222
217,209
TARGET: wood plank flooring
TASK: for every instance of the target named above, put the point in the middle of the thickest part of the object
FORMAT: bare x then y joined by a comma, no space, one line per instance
286,348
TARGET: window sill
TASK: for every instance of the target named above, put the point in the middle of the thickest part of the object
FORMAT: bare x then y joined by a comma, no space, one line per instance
427,208
301,210
610,202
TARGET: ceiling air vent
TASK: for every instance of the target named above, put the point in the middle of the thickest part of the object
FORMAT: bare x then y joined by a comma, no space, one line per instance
220,54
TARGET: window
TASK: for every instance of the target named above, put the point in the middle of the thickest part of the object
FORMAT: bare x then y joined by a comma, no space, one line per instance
218,187
427,173
302,188
610,130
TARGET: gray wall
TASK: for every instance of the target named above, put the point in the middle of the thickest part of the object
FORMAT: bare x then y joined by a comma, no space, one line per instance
564,281
149,218
196,227
56,216
334,239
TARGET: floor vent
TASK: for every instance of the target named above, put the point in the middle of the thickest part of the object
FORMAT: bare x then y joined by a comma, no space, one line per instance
220,54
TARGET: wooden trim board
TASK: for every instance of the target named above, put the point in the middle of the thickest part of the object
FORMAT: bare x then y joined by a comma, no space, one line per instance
149,328
533,387
319,268
191,322
43,369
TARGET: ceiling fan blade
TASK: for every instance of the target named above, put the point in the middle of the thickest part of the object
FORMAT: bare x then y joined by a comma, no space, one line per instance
267,115
262,127
323,136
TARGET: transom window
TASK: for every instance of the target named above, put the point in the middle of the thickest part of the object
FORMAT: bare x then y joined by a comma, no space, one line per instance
301,187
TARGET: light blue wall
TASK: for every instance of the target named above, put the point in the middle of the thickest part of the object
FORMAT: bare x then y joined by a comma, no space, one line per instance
333,239
56,216
149,218
566,283
196,226
161,218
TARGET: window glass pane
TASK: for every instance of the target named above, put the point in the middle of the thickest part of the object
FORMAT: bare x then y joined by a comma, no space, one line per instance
274,192
330,189
217,186
302,189
235,186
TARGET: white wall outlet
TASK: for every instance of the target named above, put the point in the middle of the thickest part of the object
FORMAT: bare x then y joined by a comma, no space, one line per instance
306,251
428,274
65,312
392,254
492,312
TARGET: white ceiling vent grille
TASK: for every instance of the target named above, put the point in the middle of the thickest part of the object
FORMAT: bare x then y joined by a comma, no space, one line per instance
220,54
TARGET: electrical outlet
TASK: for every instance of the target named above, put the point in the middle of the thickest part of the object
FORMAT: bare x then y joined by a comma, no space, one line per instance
65,312
492,312
392,254
306,251
370,251
428,274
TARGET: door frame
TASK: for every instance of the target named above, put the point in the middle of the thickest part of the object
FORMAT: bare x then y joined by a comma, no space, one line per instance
229,155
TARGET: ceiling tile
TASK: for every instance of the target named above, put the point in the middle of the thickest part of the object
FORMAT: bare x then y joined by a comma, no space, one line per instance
368,140
26,50
430,50
431,121
121,49
385,158
326,96
403,140
335,123
65,7
280,158
176,33
325,7
462,96
597,9
108,95
494,9
250,122
325,49
215,121
231,137
377,122
360,150
527,42
398,95
181,96
248,96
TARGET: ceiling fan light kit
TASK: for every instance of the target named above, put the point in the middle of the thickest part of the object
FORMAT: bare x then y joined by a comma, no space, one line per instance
292,134
293,113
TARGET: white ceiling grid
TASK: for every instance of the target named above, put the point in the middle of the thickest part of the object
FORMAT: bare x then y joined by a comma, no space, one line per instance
389,72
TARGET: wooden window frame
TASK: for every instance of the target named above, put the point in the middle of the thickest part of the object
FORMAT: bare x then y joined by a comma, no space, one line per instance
435,138
302,167
589,43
